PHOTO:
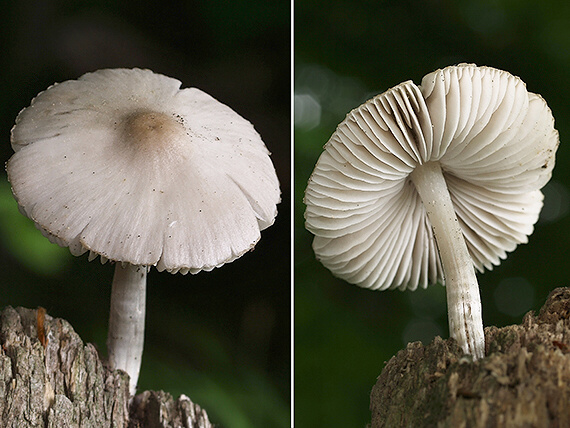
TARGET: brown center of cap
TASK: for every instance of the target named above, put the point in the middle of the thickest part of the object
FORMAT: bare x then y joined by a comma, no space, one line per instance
153,130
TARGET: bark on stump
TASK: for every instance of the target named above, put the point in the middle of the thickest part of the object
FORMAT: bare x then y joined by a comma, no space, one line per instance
524,380
50,378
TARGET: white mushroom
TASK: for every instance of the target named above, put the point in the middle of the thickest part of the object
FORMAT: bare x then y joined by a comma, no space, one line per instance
126,165
420,184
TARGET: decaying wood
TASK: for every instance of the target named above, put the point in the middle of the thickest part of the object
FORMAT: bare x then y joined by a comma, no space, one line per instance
524,380
50,378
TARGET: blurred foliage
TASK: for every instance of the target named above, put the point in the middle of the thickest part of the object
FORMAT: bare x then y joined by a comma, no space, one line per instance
346,52
220,337
23,239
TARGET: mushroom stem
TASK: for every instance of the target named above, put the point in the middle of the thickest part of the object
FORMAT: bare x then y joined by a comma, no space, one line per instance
126,321
463,300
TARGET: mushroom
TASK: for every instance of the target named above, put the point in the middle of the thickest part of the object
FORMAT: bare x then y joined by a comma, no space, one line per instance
423,184
127,166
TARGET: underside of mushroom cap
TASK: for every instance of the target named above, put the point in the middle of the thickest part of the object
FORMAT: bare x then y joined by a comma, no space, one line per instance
125,164
495,143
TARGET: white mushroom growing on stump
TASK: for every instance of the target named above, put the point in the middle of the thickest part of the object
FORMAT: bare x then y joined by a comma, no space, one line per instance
127,166
423,184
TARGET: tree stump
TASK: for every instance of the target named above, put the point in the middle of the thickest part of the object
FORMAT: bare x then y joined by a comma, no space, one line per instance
524,380
50,378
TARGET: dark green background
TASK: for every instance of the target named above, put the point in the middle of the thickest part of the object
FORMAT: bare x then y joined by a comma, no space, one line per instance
223,337
346,52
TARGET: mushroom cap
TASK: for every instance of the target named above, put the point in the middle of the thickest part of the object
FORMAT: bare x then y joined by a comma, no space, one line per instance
496,144
125,164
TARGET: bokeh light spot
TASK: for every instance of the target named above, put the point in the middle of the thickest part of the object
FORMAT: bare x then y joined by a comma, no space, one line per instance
556,202
307,112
